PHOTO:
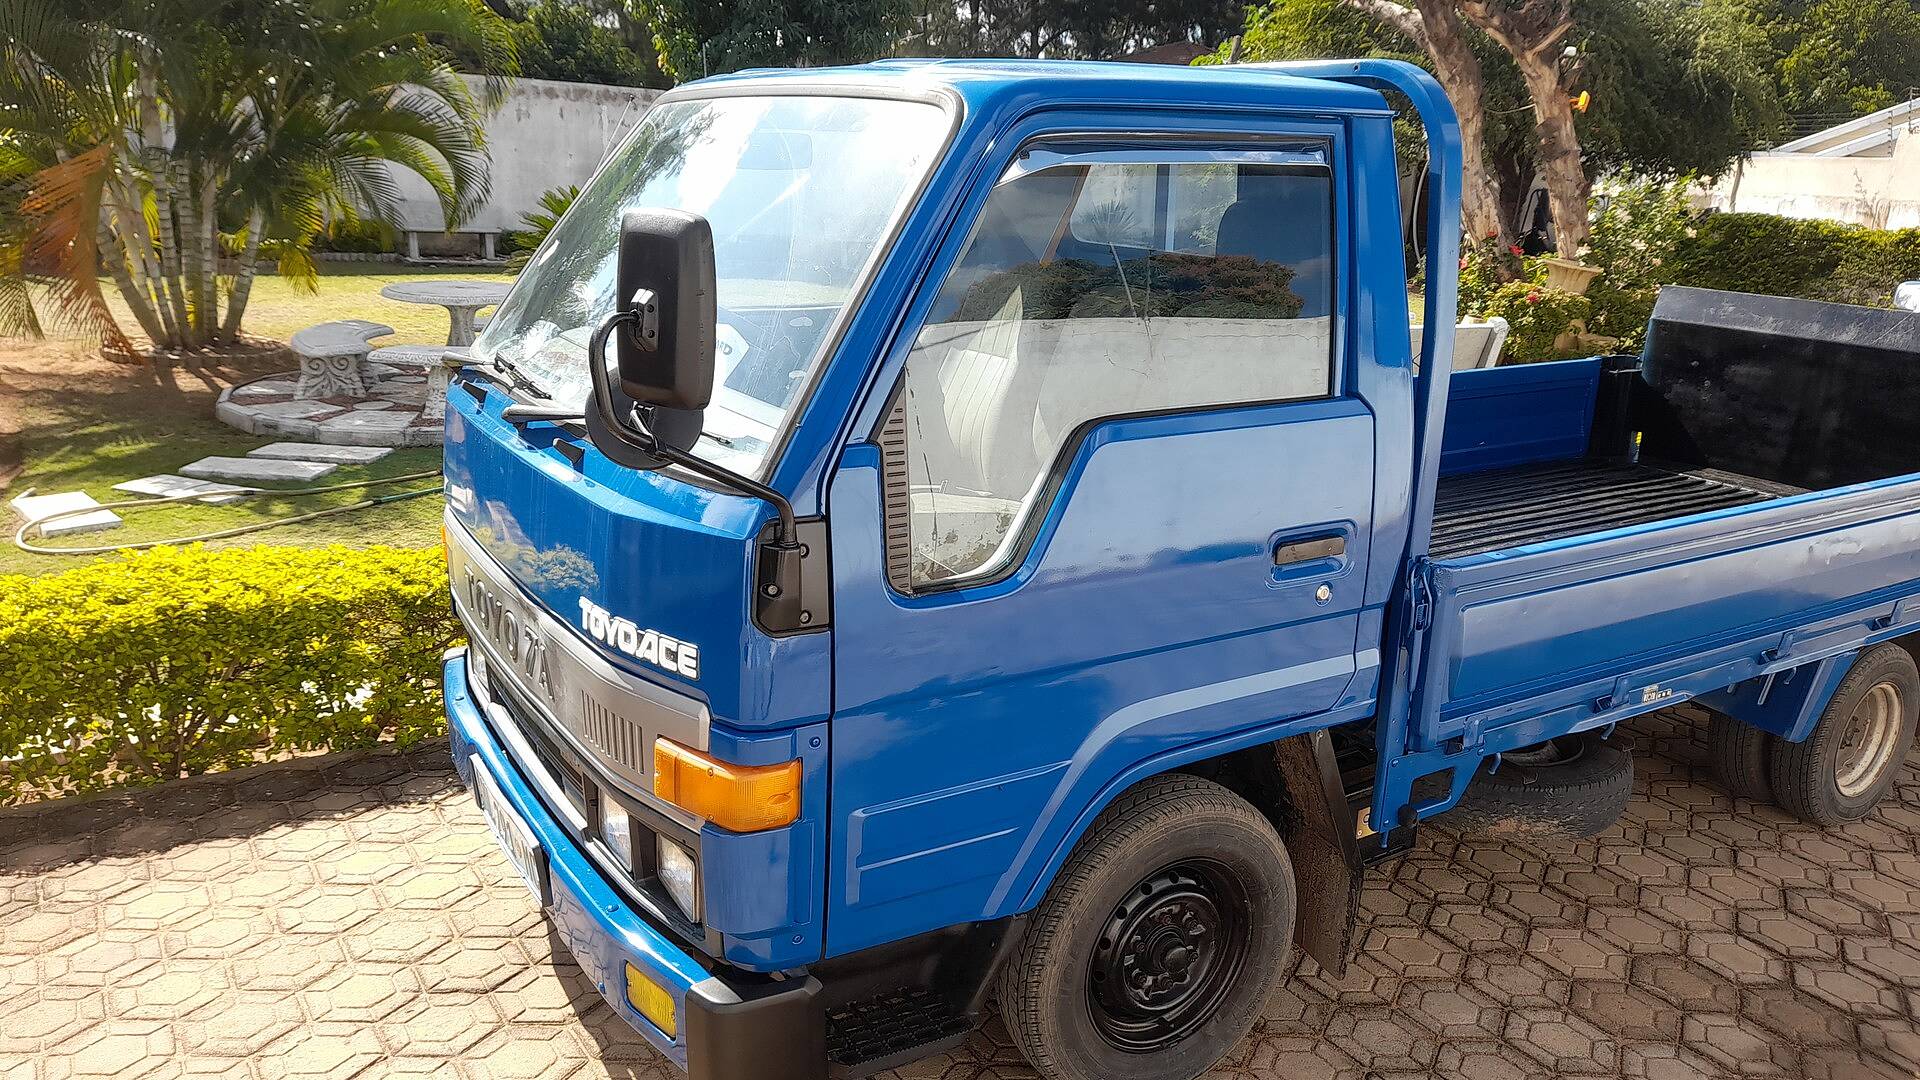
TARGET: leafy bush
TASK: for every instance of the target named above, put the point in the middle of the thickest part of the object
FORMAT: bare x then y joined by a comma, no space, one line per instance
522,243
179,661
360,235
1636,241
1536,315
1813,260
1484,267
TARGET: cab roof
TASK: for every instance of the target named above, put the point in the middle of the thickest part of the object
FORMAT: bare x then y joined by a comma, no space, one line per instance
982,83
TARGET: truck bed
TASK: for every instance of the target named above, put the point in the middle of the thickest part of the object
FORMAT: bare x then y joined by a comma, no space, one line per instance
1508,508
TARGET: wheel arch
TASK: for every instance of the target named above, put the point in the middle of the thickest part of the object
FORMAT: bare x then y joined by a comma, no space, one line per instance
1294,782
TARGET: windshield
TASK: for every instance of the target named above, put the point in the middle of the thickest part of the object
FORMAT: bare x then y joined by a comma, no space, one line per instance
800,192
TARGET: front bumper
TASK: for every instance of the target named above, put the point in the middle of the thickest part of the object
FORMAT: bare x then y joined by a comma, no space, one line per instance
727,1031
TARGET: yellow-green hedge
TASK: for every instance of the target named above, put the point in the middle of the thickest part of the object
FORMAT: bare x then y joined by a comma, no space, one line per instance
177,661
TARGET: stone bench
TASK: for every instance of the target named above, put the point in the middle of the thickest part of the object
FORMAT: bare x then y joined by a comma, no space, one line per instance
332,357
430,359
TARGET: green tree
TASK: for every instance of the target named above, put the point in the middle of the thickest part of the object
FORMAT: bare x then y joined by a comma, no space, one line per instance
1066,30
1674,87
697,38
1844,56
147,137
573,42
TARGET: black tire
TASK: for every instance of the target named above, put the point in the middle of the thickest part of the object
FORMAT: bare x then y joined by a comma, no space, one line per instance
1573,786
1060,996
1742,757
1828,779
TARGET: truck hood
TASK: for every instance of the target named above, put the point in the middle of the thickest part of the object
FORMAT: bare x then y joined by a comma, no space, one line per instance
652,573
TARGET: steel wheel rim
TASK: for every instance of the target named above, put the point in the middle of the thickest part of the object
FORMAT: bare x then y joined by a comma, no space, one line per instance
1867,741
1168,955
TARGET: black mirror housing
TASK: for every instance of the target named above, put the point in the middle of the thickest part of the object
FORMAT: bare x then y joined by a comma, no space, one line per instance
665,275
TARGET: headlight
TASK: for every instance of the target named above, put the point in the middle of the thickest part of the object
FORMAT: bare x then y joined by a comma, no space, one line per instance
681,878
616,830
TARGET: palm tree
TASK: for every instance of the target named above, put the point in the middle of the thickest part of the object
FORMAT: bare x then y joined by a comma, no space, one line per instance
143,125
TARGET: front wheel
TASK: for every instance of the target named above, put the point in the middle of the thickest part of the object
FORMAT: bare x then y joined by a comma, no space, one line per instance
1152,952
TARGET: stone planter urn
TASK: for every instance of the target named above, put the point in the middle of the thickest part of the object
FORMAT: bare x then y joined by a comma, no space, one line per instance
1569,276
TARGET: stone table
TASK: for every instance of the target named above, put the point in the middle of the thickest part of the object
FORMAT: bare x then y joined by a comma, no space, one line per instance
462,299
437,362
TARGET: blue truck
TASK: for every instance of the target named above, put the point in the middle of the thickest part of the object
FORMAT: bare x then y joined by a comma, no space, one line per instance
940,532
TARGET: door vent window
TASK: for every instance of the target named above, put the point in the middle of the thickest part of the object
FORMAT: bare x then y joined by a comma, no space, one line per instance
893,481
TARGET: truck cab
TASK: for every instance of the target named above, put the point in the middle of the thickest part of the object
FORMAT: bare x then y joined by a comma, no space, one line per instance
941,528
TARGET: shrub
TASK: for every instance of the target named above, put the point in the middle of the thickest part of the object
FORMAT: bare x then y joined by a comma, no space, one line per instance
1484,267
1536,315
1636,241
178,661
364,236
1813,260
520,244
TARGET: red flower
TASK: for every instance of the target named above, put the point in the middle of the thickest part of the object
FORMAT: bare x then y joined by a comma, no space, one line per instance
1533,298
1463,262
1516,250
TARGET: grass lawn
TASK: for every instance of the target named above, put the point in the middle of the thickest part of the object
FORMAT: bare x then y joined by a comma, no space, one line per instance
70,419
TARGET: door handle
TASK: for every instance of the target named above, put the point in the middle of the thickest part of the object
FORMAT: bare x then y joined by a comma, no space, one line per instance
1289,552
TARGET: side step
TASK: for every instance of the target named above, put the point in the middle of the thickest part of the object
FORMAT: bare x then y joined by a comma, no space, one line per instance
891,1029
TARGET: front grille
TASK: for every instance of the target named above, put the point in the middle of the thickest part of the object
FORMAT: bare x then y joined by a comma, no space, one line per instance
561,770
612,734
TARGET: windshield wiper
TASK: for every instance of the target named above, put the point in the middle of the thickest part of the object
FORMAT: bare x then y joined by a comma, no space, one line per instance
514,377
559,414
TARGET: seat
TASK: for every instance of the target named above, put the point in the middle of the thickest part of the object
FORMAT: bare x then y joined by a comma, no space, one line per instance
1285,218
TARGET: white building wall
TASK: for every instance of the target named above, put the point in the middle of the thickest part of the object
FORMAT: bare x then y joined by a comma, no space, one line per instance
544,135
1882,192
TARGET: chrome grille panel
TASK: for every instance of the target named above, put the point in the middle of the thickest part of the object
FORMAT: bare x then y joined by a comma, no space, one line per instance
610,716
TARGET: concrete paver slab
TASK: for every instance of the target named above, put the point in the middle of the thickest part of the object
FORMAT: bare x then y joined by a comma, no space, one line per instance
40,507
307,451
356,919
256,470
167,484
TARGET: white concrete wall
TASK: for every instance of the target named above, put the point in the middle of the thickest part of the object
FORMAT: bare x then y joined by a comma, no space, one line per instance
545,135
1883,192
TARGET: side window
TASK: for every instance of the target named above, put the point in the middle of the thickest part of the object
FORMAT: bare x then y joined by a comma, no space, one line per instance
1097,290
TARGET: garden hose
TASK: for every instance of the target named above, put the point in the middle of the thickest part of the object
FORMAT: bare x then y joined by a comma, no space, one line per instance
20,535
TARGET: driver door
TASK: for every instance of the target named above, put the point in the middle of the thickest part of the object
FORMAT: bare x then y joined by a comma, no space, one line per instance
1116,505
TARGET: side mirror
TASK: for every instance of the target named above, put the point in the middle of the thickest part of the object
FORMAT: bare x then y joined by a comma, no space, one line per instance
665,275
662,328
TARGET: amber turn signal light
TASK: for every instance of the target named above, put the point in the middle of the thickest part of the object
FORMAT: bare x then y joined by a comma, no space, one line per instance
739,798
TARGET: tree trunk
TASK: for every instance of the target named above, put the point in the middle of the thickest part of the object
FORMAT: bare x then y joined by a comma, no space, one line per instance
1560,166
113,253
1531,32
210,263
193,240
186,270
131,223
1436,28
1459,73
159,165
243,278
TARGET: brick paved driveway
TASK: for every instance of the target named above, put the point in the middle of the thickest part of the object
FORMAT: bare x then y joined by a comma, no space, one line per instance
354,920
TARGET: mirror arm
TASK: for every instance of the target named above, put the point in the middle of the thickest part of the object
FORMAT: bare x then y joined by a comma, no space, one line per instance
642,440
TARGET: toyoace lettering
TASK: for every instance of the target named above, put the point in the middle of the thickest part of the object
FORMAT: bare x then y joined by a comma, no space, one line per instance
1096,566
647,646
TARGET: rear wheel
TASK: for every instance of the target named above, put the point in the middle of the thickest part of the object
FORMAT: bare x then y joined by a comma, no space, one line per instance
1840,772
1742,757
1150,956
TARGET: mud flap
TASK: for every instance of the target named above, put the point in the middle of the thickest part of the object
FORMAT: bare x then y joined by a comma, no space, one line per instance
1326,856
